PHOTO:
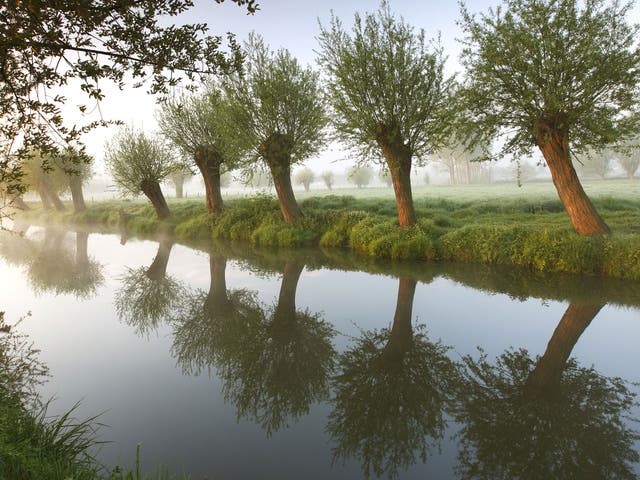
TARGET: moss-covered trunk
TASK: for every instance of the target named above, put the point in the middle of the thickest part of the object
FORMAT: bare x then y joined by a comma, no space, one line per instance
152,191
158,268
75,185
209,163
398,158
545,378
554,145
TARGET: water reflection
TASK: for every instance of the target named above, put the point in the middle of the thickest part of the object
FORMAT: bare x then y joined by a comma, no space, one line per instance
53,263
545,418
148,296
391,393
274,361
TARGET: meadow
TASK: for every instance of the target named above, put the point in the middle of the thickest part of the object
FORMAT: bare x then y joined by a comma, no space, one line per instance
496,224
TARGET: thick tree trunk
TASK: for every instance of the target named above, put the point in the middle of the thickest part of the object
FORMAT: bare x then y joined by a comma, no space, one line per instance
209,164
544,379
401,333
398,157
554,145
158,268
75,185
52,196
288,204
82,251
46,203
276,151
153,192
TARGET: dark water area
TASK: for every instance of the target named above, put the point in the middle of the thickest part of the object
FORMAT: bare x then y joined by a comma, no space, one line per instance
228,362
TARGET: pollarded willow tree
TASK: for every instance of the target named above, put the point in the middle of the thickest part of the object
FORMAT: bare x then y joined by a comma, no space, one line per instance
75,166
388,92
559,75
138,163
197,126
278,109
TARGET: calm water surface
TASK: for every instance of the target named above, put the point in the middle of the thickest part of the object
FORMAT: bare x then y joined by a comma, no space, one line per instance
232,363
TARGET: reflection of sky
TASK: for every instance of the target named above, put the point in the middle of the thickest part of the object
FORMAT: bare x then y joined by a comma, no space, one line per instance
183,420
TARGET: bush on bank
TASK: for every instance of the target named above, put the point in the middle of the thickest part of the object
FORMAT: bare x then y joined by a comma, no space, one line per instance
534,235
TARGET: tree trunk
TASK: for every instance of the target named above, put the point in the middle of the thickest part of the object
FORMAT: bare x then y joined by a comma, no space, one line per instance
544,379
158,268
288,204
20,204
75,185
554,145
52,196
398,157
82,255
152,191
401,333
46,203
209,164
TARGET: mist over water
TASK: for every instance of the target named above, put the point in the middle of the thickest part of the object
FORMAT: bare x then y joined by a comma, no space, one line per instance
230,362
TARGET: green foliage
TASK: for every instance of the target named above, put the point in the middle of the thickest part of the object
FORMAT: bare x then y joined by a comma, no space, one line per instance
134,158
384,75
567,64
277,105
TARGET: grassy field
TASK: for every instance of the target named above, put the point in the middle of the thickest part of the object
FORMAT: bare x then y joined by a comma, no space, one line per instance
498,224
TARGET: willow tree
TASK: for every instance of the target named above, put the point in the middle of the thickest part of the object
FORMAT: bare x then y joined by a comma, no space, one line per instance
388,92
196,125
559,75
278,110
138,163
75,166
39,176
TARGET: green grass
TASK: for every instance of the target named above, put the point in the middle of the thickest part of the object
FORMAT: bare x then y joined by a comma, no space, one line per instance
495,224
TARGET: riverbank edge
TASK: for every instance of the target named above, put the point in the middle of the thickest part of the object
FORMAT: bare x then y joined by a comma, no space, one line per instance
331,223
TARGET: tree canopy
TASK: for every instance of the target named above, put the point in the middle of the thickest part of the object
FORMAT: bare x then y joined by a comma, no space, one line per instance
560,75
388,91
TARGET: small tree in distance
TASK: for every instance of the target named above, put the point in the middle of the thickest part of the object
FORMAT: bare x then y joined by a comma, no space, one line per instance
178,177
559,75
389,94
360,176
138,163
305,177
328,178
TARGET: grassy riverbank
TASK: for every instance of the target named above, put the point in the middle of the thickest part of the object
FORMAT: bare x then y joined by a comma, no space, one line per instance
500,225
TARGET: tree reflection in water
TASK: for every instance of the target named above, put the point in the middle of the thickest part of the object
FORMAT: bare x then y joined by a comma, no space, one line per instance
274,361
546,418
147,296
391,394
52,264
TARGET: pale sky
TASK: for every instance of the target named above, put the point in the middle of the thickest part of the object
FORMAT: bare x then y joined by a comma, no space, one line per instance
292,24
